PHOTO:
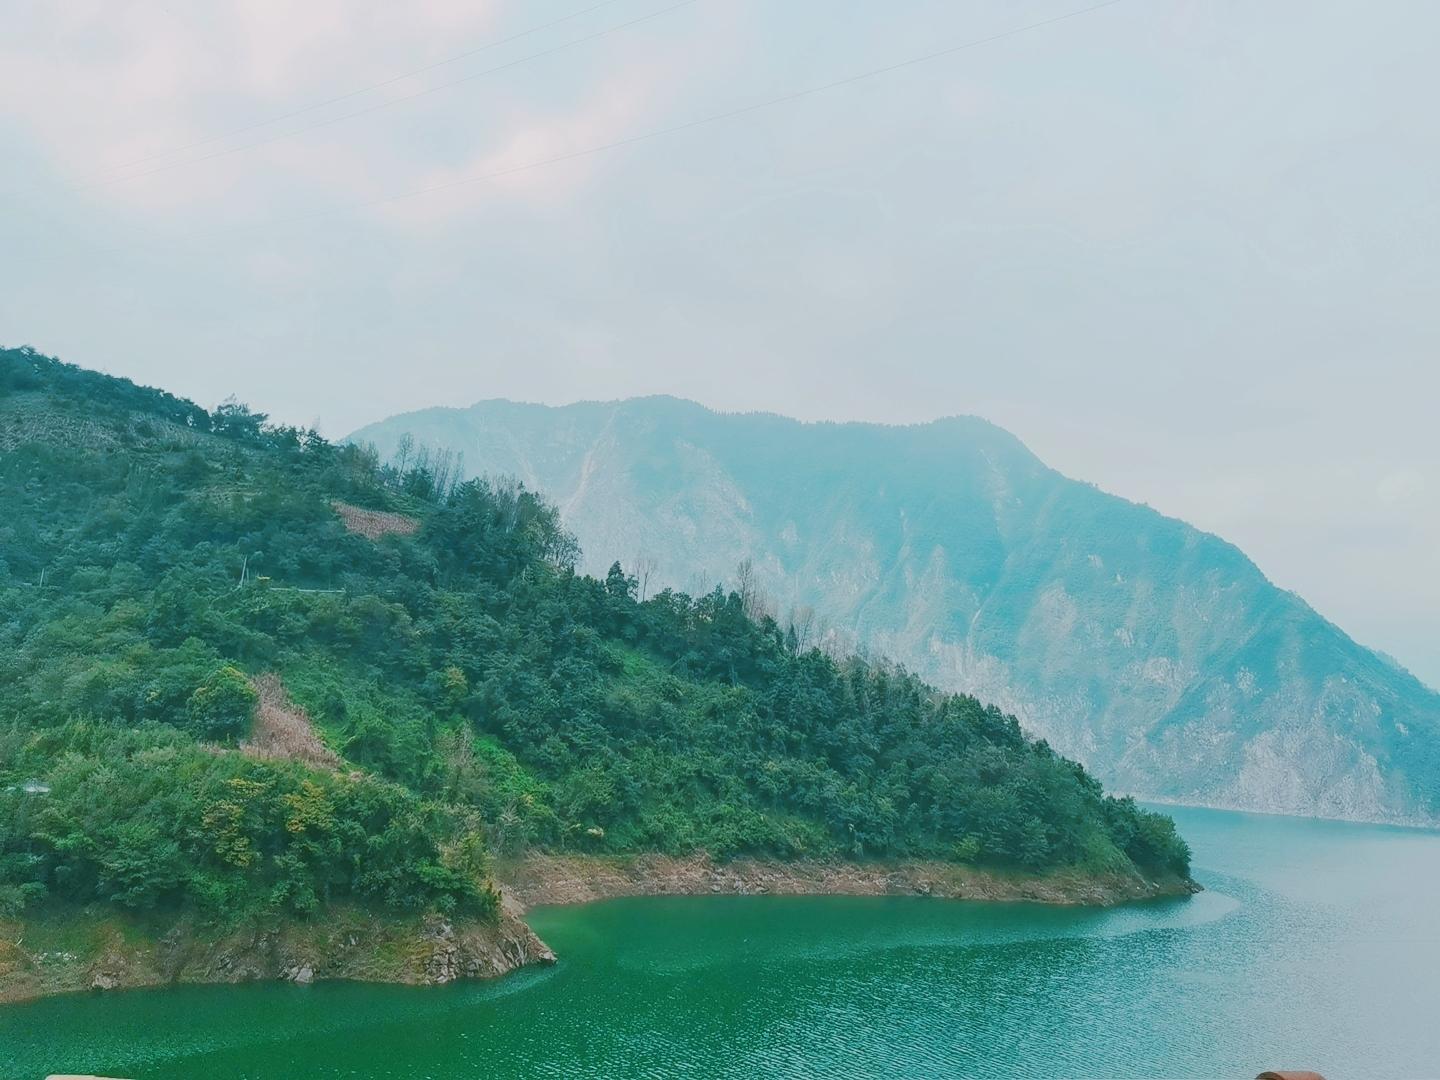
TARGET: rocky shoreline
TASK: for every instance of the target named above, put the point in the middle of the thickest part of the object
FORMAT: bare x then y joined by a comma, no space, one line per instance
576,879
64,952
82,949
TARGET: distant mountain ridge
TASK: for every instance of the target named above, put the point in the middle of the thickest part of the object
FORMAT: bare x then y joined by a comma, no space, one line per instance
1157,654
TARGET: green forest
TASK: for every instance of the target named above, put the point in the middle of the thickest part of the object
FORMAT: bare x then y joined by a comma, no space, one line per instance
172,578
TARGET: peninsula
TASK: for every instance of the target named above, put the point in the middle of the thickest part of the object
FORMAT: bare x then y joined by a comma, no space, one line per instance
275,708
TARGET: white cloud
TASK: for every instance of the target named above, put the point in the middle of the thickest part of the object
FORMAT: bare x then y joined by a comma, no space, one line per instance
527,136
99,87
135,98
1401,486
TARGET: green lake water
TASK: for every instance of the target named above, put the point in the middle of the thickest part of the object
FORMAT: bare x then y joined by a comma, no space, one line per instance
1316,944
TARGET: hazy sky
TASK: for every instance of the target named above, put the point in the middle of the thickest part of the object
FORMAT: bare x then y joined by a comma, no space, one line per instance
1187,250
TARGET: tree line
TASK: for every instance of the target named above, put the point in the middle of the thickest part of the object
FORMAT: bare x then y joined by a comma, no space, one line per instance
483,695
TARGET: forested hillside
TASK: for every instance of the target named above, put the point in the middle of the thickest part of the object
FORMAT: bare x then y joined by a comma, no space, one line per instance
244,668
1157,654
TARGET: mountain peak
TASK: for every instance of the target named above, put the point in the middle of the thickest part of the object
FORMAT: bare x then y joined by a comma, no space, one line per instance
1158,654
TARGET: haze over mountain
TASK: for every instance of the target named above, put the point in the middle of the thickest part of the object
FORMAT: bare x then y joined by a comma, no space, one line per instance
1159,655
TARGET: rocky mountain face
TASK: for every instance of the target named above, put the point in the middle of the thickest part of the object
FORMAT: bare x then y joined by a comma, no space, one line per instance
1157,654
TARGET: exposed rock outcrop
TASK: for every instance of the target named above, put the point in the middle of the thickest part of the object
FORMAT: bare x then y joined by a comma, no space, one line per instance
574,879
340,943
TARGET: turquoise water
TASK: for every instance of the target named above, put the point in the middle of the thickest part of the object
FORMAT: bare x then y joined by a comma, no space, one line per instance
1317,945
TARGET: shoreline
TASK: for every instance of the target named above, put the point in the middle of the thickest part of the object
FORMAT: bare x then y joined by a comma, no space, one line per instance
546,880
62,951
1420,824
71,950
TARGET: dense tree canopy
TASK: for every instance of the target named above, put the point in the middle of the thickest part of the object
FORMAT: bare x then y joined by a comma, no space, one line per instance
481,695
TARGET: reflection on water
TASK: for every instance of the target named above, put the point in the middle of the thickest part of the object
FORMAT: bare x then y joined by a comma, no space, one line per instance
1314,945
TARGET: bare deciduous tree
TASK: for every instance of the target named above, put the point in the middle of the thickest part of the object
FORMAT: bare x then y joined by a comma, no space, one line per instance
645,567
747,585
444,470
802,621
699,584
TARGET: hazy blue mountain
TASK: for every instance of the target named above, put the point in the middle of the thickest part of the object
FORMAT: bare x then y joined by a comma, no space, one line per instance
1158,654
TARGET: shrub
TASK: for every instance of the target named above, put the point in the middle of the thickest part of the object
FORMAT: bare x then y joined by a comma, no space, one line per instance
221,706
